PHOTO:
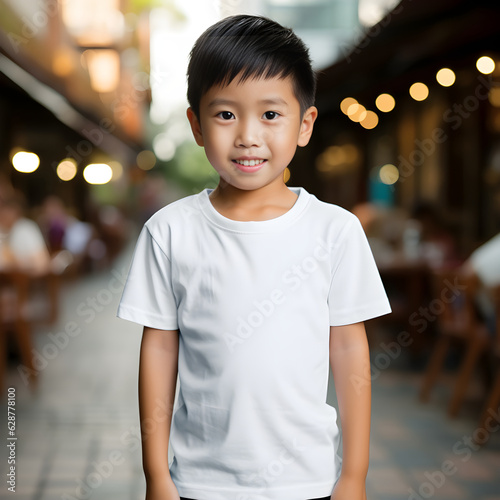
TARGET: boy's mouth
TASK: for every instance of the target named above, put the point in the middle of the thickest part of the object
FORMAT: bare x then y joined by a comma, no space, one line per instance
250,163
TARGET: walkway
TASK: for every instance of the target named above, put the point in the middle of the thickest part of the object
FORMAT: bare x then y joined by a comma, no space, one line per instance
78,435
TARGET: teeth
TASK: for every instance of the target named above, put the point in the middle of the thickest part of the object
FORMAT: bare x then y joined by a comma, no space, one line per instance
249,163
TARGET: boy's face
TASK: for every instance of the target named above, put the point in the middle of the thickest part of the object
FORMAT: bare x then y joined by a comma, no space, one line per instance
250,130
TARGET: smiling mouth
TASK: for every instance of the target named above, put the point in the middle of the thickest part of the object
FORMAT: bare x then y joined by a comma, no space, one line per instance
249,163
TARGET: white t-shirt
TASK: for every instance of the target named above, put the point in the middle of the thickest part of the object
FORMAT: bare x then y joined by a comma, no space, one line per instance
486,262
253,302
25,239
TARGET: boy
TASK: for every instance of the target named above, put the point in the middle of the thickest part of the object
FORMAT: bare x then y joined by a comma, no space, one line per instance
248,290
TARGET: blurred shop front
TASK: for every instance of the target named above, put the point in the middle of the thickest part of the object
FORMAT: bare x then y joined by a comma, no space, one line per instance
74,93
409,121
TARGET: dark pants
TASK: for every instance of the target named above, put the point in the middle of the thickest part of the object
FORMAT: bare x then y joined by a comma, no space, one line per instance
324,498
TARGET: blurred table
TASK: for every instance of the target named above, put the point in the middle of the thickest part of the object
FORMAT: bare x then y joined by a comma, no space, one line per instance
407,283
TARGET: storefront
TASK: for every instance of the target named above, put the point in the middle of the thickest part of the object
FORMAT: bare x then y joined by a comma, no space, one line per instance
411,116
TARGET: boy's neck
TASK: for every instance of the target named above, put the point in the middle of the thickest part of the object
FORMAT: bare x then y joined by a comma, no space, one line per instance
267,202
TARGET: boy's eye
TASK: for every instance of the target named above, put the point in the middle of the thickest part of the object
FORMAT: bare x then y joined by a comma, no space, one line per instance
270,115
226,115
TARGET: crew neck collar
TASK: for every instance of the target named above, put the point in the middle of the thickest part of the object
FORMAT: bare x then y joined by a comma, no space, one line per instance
254,226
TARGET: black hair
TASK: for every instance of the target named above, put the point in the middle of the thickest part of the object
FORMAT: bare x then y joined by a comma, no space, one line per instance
254,46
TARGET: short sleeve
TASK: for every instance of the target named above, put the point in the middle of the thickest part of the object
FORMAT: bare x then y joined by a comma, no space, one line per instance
486,262
148,298
356,291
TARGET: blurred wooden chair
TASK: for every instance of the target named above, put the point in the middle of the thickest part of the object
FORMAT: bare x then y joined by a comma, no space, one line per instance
27,300
458,321
43,306
14,296
492,406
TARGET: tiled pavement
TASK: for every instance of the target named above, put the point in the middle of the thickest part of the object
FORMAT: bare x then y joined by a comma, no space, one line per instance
77,435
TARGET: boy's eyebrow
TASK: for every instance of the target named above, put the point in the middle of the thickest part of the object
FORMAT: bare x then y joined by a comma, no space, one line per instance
218,101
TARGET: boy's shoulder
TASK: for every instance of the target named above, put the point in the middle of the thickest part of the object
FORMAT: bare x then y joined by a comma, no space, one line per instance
331,212
176,212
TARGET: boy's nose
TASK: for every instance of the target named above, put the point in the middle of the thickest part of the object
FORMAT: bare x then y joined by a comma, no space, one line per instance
248,135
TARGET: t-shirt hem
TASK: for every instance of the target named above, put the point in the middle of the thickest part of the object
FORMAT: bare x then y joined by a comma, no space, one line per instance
359,315
296,492
146,319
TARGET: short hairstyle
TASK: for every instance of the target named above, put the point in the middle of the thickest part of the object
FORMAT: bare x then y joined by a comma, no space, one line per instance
254,46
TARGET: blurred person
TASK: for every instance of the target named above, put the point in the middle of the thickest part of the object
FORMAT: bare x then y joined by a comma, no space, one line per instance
437,244
484,265
253,354
23,246
53,220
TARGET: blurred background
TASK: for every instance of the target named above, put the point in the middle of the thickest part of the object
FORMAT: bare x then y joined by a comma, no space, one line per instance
94,140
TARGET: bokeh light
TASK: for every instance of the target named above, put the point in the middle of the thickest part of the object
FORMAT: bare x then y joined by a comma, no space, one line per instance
370,121
494,96
485,65
117,169
164,147
346,103
286,175
66,170
356,112
445,77
98,173
385,103
146,160
419,91
25,162
389,174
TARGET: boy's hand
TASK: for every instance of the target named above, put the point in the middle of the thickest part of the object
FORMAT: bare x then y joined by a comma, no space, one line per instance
163,489
349,489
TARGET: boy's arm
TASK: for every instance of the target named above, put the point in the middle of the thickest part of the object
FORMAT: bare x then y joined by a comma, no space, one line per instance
157,382
350,361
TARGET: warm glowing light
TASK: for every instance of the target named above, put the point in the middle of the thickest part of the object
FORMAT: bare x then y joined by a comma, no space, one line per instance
286,175
348,101
97,173
385,103
494,96
25,162
485,65
356,112
104,69
117,169
370,121
66,170
389,174
419,91
93,23
445,77
146,160
62,62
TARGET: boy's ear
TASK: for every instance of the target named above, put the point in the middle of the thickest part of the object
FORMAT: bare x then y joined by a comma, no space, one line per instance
195,126
307,125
